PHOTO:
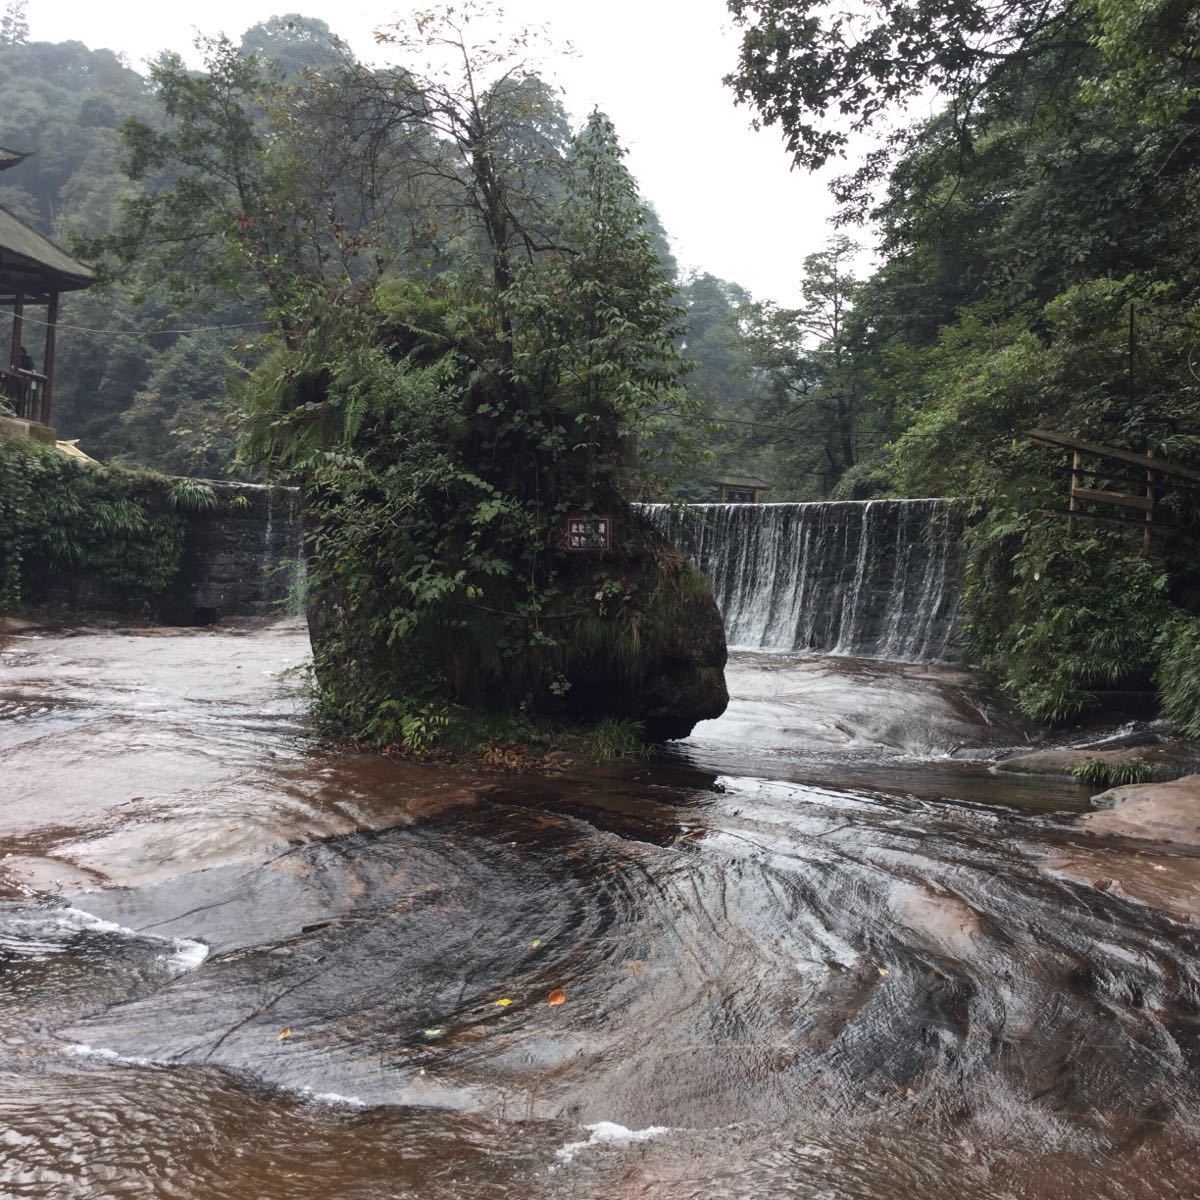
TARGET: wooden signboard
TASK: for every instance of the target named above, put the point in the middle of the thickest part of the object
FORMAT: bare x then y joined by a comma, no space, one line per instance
584,533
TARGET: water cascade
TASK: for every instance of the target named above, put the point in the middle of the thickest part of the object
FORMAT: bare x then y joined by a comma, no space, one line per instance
867,579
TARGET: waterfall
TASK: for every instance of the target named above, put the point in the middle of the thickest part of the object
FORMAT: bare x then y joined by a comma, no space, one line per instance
867,579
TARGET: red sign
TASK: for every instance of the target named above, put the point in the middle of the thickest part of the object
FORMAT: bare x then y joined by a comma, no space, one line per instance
584,533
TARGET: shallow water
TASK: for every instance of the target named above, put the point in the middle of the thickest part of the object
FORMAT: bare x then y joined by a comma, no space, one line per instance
819,950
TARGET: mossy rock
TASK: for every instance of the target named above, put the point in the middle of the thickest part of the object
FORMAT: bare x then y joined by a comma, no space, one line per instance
651,651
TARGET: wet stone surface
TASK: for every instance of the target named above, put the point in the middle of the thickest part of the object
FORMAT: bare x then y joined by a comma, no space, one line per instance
820,950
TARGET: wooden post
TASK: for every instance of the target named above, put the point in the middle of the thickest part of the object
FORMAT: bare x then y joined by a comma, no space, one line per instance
48,359
18,309
1076,475
1149,506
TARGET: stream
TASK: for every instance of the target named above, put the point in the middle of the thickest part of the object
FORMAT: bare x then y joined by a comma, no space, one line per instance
821,949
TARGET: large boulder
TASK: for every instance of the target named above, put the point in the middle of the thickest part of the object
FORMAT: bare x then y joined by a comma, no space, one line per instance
637,636
681,679
1160,812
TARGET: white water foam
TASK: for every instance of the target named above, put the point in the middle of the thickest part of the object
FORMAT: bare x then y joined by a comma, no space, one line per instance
83,1050
43,933
333,1098
608,1133
862,579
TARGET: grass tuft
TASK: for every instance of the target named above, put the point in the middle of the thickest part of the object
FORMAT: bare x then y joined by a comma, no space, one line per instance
1098,773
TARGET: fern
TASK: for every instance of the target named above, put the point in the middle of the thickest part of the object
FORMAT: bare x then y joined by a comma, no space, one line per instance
191,495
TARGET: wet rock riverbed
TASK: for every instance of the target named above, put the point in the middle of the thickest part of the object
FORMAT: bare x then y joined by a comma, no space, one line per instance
821,949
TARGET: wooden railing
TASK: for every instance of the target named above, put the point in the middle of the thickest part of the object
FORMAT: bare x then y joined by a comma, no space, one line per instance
1156,478
25,391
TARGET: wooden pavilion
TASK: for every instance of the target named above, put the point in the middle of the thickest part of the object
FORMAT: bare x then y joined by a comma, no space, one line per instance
34,272
741,489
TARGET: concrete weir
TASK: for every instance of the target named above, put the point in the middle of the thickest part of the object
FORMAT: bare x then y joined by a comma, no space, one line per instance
865,579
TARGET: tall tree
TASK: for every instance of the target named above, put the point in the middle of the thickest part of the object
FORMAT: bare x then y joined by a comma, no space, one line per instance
498,134
813,400
14,24
295,44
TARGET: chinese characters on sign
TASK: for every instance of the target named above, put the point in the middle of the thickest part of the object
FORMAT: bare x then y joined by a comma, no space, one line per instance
588,533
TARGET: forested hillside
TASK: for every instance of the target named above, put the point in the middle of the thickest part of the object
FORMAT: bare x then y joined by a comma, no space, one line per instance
169,400
1040,268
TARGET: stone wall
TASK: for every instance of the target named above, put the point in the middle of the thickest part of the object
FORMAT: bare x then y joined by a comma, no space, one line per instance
243,558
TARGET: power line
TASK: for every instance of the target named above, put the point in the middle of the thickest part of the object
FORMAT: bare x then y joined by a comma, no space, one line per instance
134,332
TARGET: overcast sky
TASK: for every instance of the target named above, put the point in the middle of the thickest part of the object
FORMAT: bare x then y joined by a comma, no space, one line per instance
725,193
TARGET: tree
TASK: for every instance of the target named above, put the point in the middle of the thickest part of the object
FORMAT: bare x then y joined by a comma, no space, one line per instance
14,25
442,448
295,44
497,137
808,360
825,76
183,422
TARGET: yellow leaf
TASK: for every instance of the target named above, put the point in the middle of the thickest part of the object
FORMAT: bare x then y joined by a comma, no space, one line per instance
884,971
504,1003
556,997
284,1034
535,943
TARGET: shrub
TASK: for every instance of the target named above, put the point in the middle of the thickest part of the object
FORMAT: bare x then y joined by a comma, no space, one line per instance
1178,674
65,519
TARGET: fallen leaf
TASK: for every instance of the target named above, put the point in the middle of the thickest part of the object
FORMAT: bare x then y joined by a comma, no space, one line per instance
535,943
556,997
433,1032
284,1034
504,1003
884,971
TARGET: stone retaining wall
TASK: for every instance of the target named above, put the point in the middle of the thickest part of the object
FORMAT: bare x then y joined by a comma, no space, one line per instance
242,559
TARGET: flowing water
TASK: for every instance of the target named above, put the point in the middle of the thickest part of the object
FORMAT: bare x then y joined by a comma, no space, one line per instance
818,950
876,578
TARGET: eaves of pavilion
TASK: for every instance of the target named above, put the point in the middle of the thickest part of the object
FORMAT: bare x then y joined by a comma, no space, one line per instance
34,272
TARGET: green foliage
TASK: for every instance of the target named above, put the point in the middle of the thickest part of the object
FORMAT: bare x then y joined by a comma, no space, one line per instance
1178,674
1057,617
65,519
183,420
191,495
1055,191
615,740
1098,773
442,432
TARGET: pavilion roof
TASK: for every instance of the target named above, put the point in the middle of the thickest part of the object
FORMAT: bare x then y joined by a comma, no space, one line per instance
32,264
11,158
743,481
